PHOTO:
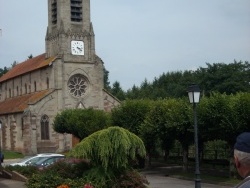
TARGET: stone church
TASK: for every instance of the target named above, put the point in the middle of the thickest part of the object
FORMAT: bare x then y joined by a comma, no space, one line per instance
68,75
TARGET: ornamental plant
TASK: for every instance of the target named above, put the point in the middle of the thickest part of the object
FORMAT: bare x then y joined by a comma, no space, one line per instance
111,152
88,186
113,148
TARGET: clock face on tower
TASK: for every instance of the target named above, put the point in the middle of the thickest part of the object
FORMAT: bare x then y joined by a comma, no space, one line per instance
77,47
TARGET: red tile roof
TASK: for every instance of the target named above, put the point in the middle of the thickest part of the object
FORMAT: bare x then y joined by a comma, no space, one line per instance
20,103
27,66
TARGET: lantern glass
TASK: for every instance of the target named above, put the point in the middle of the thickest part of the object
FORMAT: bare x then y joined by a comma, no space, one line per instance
194,94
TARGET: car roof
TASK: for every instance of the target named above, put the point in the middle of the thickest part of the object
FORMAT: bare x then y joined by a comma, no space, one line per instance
47,158
49,154
41,155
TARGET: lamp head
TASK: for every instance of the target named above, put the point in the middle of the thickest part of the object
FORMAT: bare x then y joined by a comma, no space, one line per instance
194,93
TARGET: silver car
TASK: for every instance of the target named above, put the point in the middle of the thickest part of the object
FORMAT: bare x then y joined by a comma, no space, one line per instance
34,159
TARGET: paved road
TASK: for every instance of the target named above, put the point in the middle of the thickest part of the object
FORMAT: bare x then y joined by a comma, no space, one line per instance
156,178
157,181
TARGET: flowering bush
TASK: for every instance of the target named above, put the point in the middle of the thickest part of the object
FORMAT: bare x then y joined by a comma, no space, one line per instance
88,186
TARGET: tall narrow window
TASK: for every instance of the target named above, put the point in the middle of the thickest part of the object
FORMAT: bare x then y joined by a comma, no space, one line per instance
45,127
76,10
35,86
9,93
47,83
25,87
22,125
17,90
6,93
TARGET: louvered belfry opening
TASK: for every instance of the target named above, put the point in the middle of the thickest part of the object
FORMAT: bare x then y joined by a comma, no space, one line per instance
76,10
54,11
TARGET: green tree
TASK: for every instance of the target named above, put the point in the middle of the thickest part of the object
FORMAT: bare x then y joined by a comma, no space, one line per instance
168,120
117,91
30,56
111,152
218,77
3,71
80,122
130,114
225,78
106,79
112,147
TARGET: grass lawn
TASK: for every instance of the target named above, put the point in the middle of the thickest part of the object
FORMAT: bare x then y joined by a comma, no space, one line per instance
12,155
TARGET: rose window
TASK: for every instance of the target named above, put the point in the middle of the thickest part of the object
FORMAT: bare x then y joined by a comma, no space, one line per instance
77,85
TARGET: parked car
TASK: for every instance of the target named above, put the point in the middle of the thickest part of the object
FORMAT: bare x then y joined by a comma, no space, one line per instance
32,160
47,161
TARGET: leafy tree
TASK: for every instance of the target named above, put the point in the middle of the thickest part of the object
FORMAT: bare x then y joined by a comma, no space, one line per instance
30,56
216,117
168,120
225,78
3,71
117,91
80,122
218,77
14,64
133,93
106,79
241,110
130,114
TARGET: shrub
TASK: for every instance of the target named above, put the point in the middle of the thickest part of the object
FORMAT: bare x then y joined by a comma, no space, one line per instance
44,180
60,173
99,177
26,171
131,179
69,169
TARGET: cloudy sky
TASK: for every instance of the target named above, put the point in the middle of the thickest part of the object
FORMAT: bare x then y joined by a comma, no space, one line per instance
139,39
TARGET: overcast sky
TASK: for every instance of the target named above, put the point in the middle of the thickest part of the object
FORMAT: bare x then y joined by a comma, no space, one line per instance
139,39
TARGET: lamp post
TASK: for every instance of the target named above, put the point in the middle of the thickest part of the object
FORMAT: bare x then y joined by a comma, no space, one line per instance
194,98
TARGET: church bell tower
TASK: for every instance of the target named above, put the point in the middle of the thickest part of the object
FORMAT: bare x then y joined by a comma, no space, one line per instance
70,33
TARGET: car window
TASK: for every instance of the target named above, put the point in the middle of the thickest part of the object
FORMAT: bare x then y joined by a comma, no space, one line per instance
49,161
33,160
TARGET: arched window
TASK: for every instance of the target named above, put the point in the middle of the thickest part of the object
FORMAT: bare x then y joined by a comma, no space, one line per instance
45,127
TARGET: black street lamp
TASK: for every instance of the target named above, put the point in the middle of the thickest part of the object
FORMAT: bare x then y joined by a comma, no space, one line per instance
194,98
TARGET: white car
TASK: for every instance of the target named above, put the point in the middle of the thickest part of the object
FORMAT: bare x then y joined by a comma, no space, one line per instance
32,160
